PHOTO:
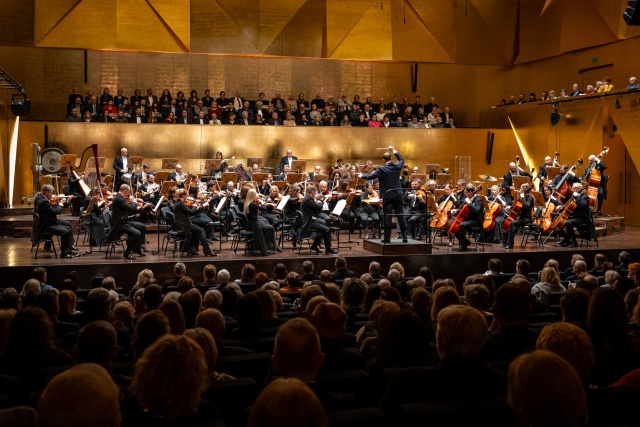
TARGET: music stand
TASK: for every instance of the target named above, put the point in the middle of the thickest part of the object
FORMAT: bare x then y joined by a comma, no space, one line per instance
91,162
538,197
351,183
298,165
212,164
443,178
519,180
252,160
341,172
67,160
230,176
552,172
282,185
162,176
136,160
294,178
166,186
361,181
439,192
282,203
170,163
259,177
421,177
432,169
320,177
366,169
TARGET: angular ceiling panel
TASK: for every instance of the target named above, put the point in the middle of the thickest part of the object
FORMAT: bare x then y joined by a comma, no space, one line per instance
501,20
48,13
370,37
177,18
139,26
577,18
539,32
81,27
302,35
246,18
214,31
274,16
438,18
411,40
342,15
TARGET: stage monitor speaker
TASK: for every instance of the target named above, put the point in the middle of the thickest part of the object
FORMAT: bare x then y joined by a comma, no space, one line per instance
490,137
631,14
20,107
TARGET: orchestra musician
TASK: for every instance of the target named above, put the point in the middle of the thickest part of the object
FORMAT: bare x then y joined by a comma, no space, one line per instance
311,211
293,205
49,222
390,191
473,219
286,160
178,176
141,177
122,208
459,191
121,166
524,216
265,188
579,216
264,235
514,170
217,173
150,189
497,197
271,201
193,234
92,217
597,164
73,189
316,171
283,175
548,195
416,205
542,172
369,213
571,179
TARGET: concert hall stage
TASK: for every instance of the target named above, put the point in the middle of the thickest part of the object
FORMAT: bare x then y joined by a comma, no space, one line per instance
444,261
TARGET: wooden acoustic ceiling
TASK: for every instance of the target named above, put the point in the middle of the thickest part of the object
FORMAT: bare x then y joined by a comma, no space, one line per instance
492,32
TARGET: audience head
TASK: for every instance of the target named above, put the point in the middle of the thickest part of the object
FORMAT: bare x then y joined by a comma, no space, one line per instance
329,320
574,305
82,395
98,343
443,297
208,345
174,313
212,299
213,321
152,297
151,326
460,332
353,293
297,350
512,305
571,343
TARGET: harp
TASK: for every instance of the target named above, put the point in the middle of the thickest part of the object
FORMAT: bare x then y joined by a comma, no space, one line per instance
90,166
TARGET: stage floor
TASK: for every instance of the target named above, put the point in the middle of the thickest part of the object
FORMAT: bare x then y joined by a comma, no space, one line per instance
445,261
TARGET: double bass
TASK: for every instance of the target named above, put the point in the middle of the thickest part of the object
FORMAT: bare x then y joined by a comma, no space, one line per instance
564,189
595,178
463,212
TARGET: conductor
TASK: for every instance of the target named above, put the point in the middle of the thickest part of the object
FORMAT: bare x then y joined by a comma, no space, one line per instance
391,191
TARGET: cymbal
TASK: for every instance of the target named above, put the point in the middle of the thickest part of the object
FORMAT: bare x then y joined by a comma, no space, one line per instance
488,178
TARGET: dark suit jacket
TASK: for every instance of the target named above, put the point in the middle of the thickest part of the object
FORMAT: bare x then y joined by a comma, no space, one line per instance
196,120
152,100
48,214
389,177
309,209
276,122
120,214
285,161
143,119
177,111
582,209
118,166
182,213
341,274
599,167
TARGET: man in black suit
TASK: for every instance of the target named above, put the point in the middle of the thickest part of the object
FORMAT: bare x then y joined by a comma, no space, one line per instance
579,216
275,120
310,221
316,171
138,117
94,108
172,108
151,98
286,160
473,219
200,119
120,223
524,217
542,172
183,118
596,164
121,166
192,233
390,191
341,271
222,100
136,97
514,170
49,222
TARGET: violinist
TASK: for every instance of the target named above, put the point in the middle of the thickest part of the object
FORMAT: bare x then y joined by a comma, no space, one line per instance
514,170
473,219
498,198
369,213
324,195
123,208
524,216
579,216
49,222
316,171
283,176
459,191
293,205
217,173
263,232
415,202
73,189
91,219
597,164
192,233
265,188
271,201
150,191
310,209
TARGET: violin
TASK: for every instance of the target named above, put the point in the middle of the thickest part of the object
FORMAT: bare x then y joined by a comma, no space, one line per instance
57,199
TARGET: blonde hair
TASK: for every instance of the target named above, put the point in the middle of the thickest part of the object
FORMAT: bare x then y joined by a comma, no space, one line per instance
144,277
251,196
460,332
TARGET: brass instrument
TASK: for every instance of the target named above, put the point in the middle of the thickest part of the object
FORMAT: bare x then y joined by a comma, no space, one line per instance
181,178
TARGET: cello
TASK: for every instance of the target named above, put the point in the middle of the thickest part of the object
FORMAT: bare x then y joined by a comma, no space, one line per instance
564,215
595,178
564,189
515,209
490,216
464,210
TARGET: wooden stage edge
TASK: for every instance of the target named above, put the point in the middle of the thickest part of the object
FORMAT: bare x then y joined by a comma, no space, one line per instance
17,261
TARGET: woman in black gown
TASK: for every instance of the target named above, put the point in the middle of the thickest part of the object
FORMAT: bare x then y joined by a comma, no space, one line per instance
264,235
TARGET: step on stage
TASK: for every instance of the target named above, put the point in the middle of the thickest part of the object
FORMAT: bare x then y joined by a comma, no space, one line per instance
396,247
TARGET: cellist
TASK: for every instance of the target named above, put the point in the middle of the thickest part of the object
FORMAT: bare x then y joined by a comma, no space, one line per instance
564,169
524,216
498,198
474,217
579,216
596,164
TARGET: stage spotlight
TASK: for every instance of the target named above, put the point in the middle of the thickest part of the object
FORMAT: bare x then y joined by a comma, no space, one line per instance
20,106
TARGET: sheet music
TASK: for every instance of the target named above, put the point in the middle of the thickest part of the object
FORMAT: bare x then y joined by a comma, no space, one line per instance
223,202
282,203
337,210
155,209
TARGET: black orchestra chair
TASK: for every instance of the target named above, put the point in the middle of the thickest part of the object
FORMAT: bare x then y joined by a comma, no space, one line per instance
110,244
172,236
81,229
304,234
46,238
533,230
587,232
243,233
477,234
